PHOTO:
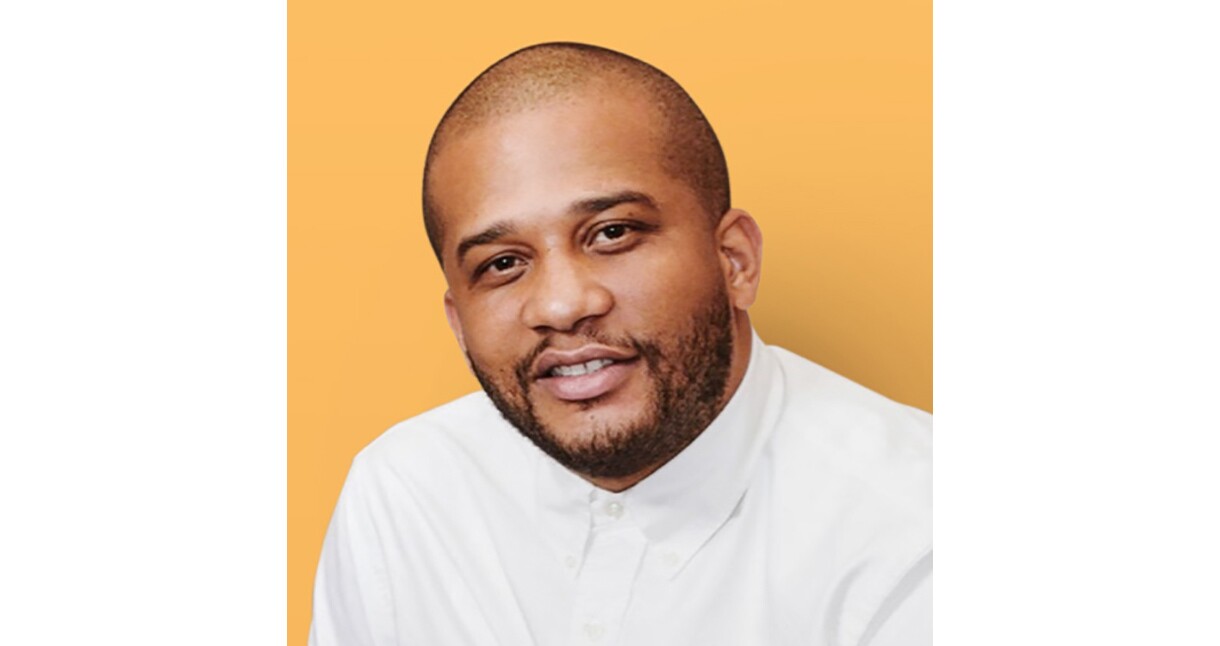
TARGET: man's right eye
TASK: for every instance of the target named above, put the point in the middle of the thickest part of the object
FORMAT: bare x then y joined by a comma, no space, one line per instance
504,263
500,267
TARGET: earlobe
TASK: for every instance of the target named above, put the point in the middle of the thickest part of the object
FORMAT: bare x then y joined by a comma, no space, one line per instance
741,252
455,322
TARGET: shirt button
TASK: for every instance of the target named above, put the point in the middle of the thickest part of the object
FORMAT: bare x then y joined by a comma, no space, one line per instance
614,509
671,559
595,630
570,561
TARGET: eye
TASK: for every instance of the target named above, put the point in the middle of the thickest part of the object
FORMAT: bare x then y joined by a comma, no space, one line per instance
504,263
500,269
613,232
613,235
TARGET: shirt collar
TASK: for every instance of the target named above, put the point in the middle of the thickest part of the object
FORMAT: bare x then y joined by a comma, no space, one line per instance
682,504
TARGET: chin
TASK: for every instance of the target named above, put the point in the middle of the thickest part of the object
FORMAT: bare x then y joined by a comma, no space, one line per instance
579,422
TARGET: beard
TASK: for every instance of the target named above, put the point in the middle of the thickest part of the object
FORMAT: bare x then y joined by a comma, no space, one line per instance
688,376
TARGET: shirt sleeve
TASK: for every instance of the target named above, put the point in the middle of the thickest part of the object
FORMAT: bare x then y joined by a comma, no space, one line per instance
905,619
351,601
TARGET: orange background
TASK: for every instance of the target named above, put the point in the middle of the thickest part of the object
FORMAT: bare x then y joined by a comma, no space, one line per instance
825,114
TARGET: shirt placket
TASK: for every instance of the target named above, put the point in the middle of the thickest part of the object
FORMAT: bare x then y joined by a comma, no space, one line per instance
608,572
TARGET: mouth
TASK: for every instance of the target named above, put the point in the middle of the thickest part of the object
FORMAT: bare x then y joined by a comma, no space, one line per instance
585,374
580,369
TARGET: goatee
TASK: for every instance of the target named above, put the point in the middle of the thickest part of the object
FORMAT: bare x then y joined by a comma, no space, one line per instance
689,375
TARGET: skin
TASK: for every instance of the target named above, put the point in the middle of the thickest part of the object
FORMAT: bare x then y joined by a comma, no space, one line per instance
583,235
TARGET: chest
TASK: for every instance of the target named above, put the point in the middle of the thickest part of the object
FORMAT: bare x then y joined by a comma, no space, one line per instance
757,579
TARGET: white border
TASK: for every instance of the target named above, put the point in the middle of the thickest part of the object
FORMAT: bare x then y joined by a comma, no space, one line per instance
142,340
1077,284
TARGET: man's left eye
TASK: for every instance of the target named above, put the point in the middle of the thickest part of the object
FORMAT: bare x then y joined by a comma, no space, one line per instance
612,232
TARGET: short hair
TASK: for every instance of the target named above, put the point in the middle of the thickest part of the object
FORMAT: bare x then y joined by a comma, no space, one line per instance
535,74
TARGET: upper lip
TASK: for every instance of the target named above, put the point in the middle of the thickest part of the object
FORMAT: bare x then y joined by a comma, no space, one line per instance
551,358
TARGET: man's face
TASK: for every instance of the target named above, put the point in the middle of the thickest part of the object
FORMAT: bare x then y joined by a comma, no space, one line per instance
585,283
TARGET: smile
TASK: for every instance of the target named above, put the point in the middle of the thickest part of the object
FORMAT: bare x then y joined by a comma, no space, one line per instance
579,369
576,378
585,360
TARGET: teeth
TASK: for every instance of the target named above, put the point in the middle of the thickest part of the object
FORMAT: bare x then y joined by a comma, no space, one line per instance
580,368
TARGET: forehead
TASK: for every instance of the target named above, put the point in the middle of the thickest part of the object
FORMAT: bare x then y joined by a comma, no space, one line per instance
537,161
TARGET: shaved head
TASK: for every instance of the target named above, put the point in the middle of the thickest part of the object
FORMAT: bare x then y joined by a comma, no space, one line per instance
555,72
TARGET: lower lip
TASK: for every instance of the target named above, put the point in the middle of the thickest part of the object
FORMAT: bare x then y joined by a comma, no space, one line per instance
587,386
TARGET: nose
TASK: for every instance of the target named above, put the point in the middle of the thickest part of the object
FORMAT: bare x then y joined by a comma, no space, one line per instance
563,293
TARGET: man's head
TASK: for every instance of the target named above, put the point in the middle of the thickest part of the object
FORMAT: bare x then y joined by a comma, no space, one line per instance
598,280
555,72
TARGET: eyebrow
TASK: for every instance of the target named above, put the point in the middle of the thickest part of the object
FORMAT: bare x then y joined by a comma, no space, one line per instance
607,202
486,236
588,206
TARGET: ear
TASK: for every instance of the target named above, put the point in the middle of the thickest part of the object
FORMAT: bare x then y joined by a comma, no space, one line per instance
740,243
455,322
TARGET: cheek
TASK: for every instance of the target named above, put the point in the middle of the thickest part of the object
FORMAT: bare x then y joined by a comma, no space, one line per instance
663,289
492,336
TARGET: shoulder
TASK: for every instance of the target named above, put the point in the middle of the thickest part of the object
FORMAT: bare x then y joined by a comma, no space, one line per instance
858,466
853,433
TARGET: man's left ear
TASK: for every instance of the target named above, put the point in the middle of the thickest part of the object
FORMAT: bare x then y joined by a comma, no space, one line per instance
740,242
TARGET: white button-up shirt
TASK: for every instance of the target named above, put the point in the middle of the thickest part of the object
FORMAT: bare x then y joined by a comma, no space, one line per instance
801,515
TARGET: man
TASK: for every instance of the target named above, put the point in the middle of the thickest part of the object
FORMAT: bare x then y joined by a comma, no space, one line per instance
641,468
